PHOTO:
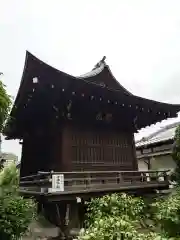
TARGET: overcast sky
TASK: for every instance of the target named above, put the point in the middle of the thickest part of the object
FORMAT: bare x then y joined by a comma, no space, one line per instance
141,39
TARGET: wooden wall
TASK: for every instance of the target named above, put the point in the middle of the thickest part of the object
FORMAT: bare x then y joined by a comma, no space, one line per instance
39,153
78,148
97,149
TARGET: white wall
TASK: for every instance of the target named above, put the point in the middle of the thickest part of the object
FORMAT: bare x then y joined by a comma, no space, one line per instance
142,166
158,163
163,163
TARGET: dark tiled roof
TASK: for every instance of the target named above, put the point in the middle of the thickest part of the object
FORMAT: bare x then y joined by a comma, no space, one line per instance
34,98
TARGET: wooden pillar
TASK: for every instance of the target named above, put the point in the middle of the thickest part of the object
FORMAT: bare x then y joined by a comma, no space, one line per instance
69,218
134,158
66,149
56,164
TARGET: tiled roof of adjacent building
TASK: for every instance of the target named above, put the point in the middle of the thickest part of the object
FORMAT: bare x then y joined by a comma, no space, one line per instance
164,134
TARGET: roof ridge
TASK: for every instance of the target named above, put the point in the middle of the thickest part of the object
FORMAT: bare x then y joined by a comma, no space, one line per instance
99,67
101,62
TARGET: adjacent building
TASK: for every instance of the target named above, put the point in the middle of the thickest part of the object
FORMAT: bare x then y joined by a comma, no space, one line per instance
154,152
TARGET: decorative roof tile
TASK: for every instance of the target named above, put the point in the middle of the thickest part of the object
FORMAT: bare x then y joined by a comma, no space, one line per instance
95,71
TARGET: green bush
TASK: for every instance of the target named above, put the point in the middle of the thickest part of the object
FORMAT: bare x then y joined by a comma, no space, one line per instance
115,205
123,217
114,217
166,214
16,213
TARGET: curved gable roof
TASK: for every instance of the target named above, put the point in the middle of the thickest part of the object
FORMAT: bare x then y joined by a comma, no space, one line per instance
100,75
99,82
104,77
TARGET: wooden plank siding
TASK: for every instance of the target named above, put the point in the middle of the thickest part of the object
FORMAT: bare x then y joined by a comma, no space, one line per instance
92,149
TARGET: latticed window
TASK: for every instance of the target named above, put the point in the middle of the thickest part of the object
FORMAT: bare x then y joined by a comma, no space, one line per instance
99,149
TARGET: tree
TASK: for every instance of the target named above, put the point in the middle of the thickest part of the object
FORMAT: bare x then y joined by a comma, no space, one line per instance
16,213
5,104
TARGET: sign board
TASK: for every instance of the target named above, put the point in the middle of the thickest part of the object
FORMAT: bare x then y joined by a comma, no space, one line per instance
58,183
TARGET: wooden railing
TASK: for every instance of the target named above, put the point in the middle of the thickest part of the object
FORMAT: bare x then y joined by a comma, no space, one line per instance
92,181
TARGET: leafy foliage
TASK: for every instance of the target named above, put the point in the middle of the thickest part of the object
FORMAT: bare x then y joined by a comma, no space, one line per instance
5,104
121,216
167,214
115,205
9,177
16,213
114,217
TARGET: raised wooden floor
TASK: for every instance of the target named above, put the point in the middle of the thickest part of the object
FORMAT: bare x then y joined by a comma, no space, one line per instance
64,185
